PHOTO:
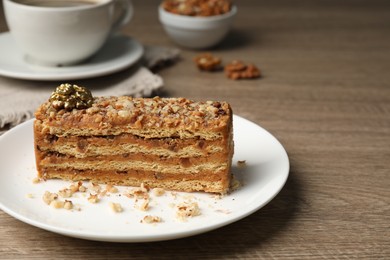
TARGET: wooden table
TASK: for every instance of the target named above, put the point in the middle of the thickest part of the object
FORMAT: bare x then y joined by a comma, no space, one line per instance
325,95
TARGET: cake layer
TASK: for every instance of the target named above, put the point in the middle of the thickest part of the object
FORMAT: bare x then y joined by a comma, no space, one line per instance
191,165
144,117
206,181
127,143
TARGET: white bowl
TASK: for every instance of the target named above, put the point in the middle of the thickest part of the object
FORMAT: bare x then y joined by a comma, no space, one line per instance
194,31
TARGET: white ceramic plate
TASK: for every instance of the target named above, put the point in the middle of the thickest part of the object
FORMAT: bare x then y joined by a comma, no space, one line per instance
117,54
266,171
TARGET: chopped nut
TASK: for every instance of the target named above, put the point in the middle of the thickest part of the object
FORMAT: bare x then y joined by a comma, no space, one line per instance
102,193
93,198
48,197
58,204
144,205
138,193
68,205
82,188
65,193
197,7
98,119
123,113
158,192
94,187
116,207
187,209
75,187
148,219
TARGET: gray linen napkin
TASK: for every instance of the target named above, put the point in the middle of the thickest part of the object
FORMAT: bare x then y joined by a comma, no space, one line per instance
20,98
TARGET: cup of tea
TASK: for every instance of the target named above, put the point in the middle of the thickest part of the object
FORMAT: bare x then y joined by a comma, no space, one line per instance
64,32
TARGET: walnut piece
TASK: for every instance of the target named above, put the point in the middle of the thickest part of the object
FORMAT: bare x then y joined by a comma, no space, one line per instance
158,192
207,62
68,205
93,198
138,193
68,96
48,197
57,204
148,219
94,187
187,209
116,207
238,70
144,205
197,7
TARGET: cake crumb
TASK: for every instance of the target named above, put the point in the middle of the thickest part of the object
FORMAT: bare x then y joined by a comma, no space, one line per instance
187,209
148,219
158,192
29,196
36,180
57,204
102,193
68,205
48,197
116,207
225,211
93,198
241,163
65,193
75,187
82,188
94,187
144,205
138,193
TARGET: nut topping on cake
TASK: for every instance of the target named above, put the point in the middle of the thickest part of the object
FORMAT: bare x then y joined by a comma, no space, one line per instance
68,96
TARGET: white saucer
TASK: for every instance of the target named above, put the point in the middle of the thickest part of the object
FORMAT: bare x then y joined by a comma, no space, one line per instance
118,53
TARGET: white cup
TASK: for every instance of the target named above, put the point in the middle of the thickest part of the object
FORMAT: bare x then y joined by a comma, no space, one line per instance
64,32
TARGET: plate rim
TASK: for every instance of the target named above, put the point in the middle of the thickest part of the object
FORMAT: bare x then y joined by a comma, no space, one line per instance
147,238
73,75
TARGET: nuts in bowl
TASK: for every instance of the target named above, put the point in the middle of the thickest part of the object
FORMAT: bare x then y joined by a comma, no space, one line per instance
197,24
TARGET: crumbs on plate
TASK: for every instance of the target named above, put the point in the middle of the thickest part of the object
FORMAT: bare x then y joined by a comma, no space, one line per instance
187,206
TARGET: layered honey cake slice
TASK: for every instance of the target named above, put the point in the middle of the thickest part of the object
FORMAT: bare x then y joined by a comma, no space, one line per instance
171,143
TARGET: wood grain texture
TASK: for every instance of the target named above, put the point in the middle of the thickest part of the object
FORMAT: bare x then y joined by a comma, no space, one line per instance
325,95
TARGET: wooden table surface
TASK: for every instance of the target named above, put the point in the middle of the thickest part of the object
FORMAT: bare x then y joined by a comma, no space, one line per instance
325,95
